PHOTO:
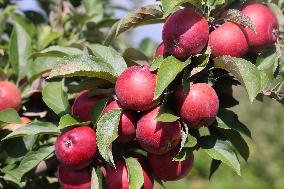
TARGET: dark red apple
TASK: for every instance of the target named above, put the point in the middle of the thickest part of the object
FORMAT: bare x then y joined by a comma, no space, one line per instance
228,39
127,124
166,169
77,147
157,137
199,106
185,33
160,50
267,27
10,96
74,179
84,104
118,178
135,88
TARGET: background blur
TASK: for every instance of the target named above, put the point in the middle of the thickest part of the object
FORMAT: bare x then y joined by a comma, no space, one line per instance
265,168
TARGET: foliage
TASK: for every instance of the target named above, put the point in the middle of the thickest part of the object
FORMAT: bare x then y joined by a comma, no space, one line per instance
83,46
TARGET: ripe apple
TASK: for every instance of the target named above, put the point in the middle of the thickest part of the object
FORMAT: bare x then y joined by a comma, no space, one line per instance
166,169
157,137
160,50
228,39
13,127
77,147
267,27
185,33
84,104
74,179
135,88
10,96
127,124
199,106
117,178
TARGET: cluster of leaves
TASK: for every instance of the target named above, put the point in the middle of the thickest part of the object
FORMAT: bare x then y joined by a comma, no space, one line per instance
80,46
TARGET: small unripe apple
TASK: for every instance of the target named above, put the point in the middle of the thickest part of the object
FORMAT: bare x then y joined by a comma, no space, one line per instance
117,178
10,96
135,88
13,127
74,179
157,137
127,124
84,104
228,39
185,33
160,50
199,106
77,147
267,27
165,168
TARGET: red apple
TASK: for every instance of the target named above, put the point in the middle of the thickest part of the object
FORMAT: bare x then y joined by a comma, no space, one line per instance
160,50
84,104
185,33
10,96
117,178
228,39
199,106
267,27
135,88
157,137
74,179
127,124
77,147
166,169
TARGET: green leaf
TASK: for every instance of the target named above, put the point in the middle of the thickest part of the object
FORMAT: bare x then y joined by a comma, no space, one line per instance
167,72
9,116
134,57
58,51
68,120
107,132
215,164
148,46
166,115
170,6
22,20
20,50
277,12
21,146
93,7
214,3
56,98
240,18
31,160
133,19
246,73
110,56
85,65
98,109
266,61
135,173
238,141
94,180
221,150
101,179
46,36
156,64
227,119
34,128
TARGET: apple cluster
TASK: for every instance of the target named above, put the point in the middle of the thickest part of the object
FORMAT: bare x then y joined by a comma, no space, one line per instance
185,33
